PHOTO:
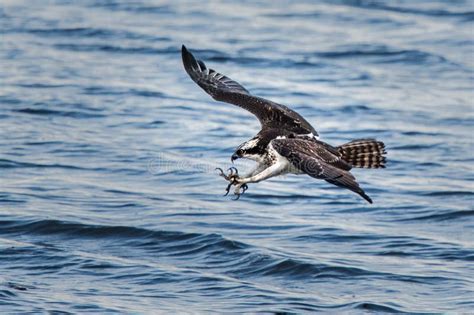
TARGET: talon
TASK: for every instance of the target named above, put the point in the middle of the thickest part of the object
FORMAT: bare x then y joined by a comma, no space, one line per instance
237,192
233,171
222,172
228,189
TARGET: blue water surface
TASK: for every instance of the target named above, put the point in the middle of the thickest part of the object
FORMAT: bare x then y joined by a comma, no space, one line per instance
109,202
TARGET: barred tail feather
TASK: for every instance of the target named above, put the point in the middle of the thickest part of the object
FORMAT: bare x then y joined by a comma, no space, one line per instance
364,153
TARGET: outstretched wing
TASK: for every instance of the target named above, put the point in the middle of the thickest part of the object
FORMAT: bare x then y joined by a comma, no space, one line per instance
222,88
314,159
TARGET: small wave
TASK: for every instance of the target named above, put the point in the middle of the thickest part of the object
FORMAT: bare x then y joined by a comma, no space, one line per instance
6,198
45,227
54,227
336,237
17,286
74,32
117,49
384,54
8,100
415,146
7,294
4,163
451,215
39,143
50,112
102,90
431,253
43,85
88,32
423,133
157,122
240,59
294,268
258,265
375,307
131,7
255,264
448,193
375,5
356,109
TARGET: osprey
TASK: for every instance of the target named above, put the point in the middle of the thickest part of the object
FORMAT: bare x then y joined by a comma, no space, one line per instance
287,143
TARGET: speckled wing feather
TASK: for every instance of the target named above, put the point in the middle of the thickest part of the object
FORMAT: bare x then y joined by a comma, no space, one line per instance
312,158
222,88
318,149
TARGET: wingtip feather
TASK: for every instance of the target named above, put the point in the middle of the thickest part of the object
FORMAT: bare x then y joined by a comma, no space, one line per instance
369,200
190,63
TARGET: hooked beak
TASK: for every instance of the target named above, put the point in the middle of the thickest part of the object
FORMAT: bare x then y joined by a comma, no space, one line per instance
234,157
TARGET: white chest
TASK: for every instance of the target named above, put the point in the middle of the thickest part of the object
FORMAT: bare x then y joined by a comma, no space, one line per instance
273,157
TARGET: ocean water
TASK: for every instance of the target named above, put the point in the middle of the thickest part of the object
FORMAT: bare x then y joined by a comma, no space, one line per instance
109,202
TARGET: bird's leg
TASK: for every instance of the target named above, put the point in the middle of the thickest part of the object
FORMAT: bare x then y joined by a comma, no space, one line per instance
257,175
241,182
257,169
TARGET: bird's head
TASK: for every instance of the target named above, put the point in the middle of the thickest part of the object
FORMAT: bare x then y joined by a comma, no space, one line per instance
251,150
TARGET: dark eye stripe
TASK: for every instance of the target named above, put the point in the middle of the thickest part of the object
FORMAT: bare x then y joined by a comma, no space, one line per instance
254,150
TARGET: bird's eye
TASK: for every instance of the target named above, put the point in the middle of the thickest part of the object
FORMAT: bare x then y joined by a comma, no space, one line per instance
240,152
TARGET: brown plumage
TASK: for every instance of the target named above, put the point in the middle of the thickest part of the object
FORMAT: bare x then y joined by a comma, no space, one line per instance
287,143
320,160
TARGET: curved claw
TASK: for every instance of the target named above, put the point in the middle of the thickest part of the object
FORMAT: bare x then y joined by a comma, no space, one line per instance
220,170
233,171
238,193
228,189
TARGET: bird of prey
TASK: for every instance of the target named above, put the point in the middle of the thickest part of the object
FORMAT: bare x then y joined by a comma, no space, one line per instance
287,143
